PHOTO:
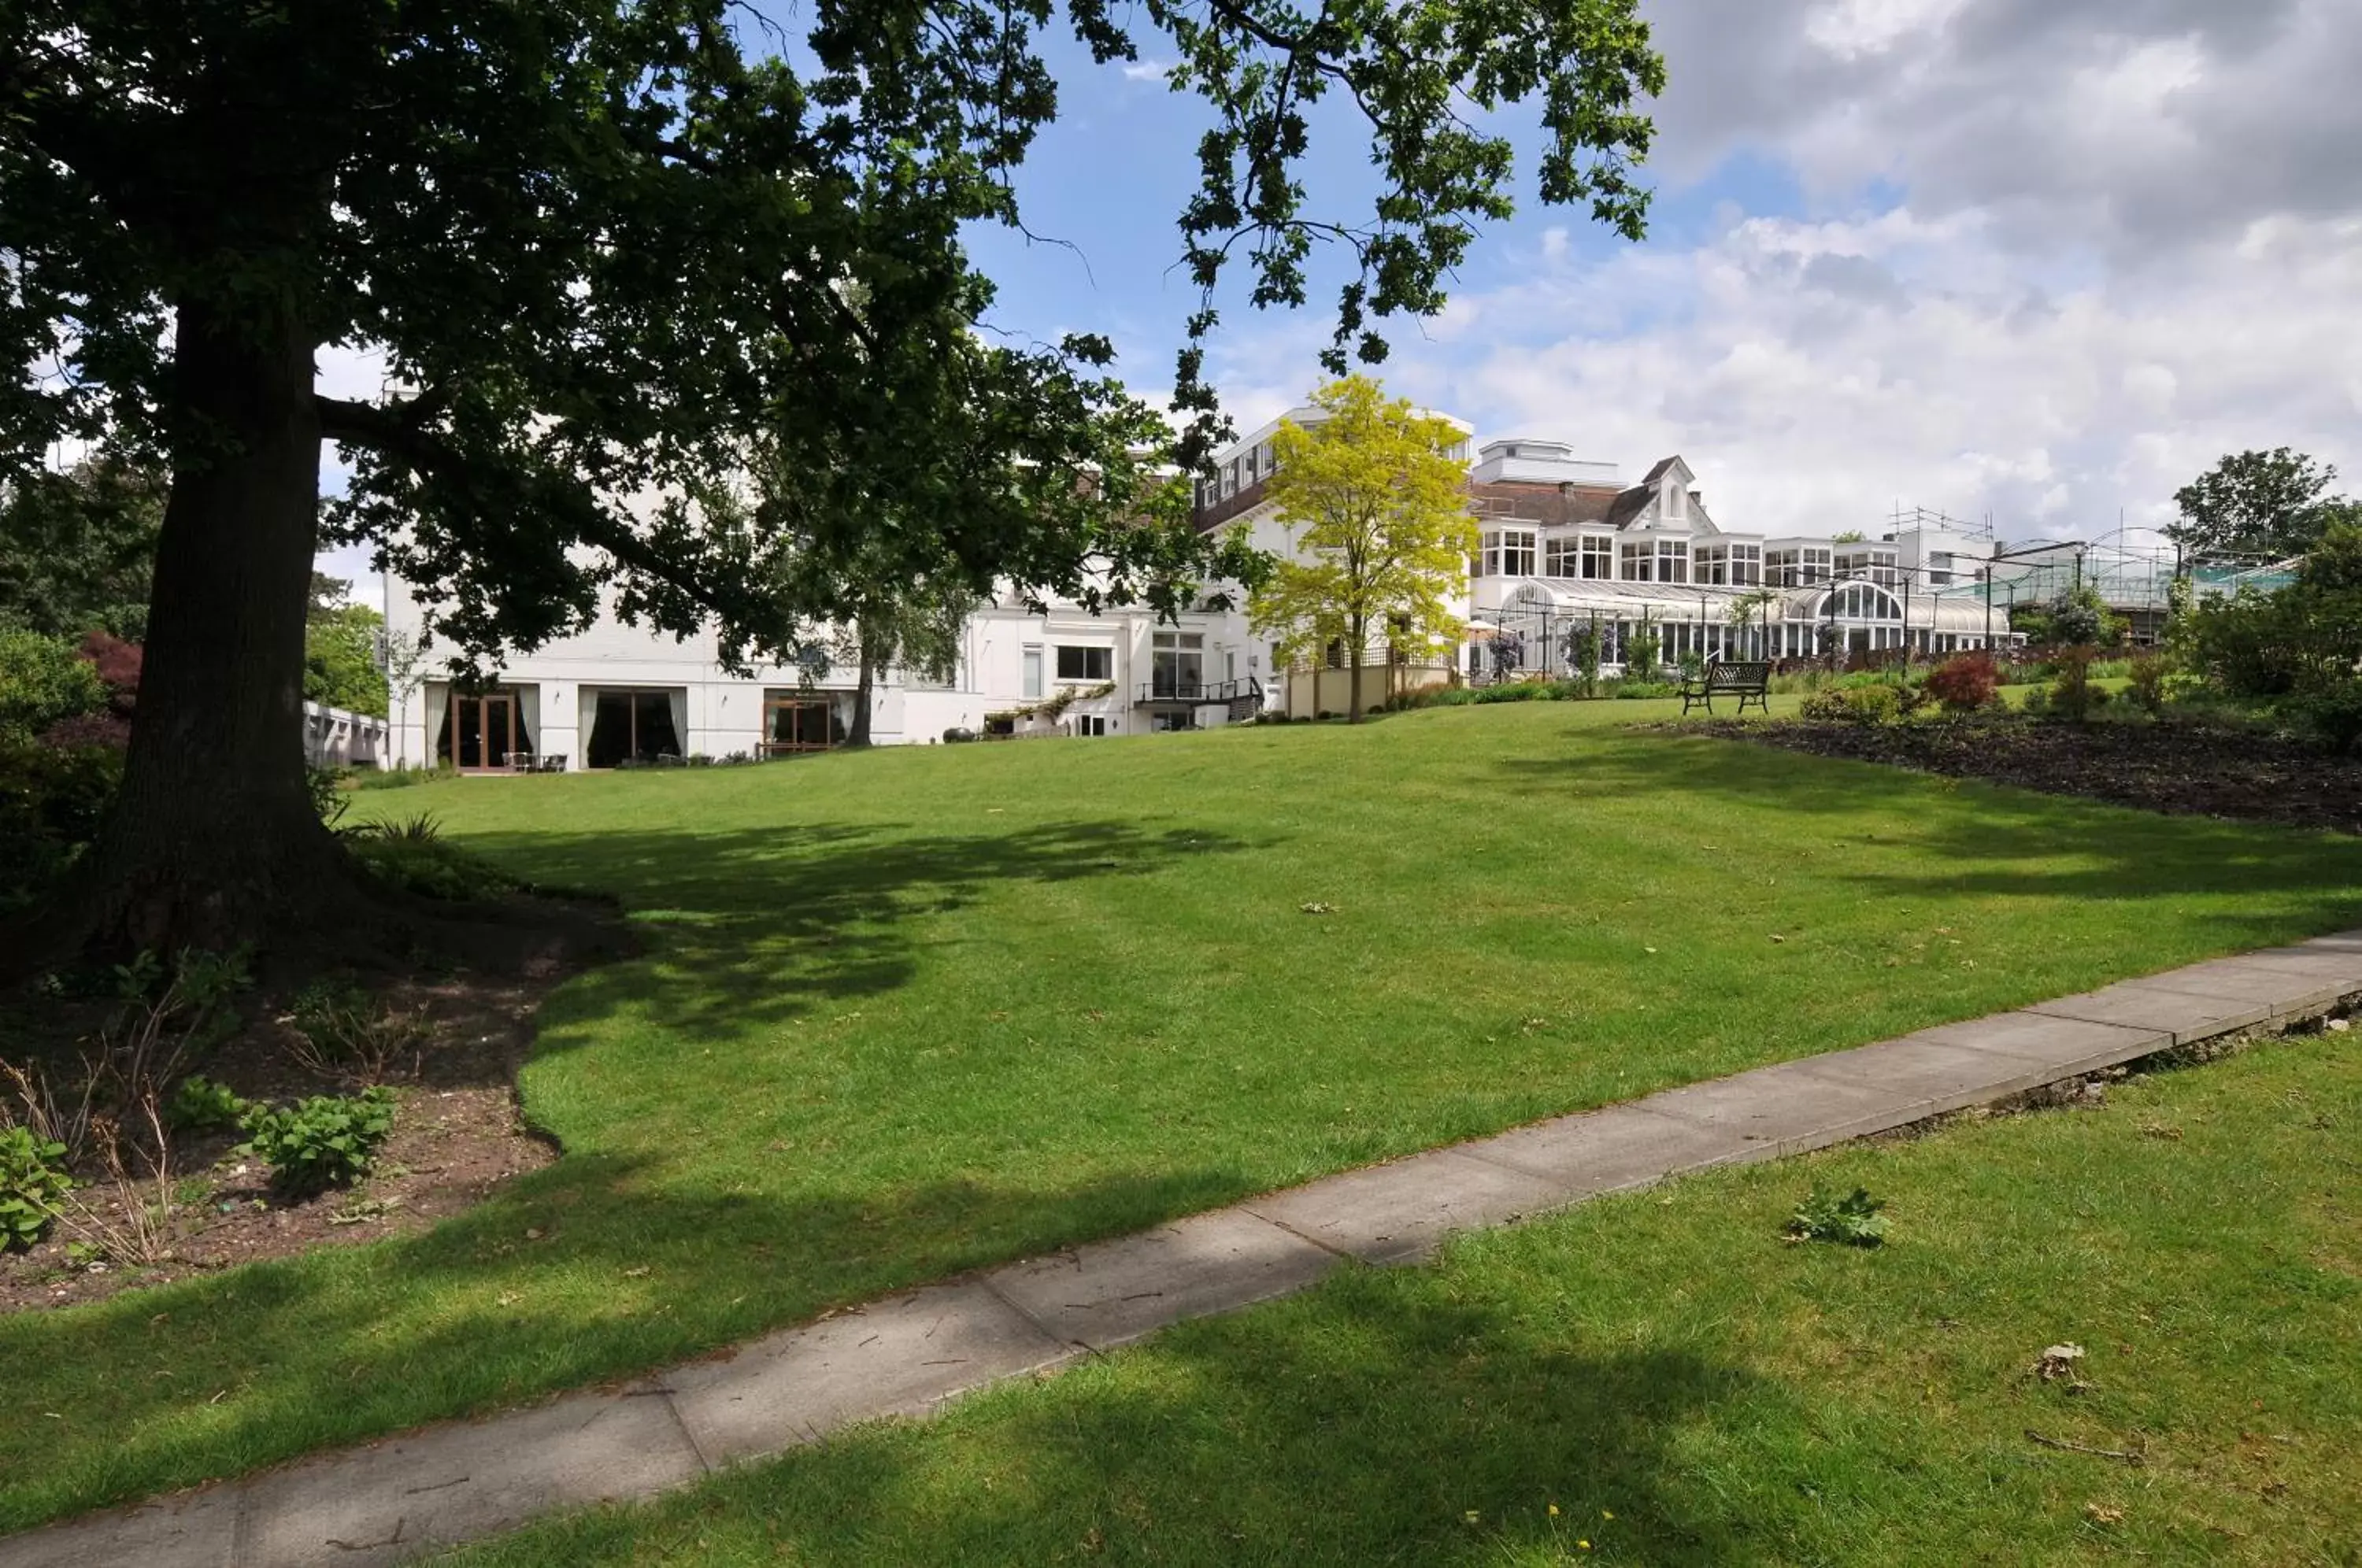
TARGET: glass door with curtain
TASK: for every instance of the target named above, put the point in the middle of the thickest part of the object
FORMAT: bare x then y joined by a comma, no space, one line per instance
481,731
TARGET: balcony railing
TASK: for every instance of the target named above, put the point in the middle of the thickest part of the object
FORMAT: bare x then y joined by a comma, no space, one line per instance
1200,693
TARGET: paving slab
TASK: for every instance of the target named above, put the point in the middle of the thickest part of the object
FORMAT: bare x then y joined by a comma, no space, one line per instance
902,1356
1959,1064
1783,1110
1401,1211
2185,1015
395,1499
2331,964
2285,989
1621,1147
192,1528
1113,1292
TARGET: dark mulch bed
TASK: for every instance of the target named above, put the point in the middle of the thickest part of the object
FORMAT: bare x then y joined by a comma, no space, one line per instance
457,1137
2204,769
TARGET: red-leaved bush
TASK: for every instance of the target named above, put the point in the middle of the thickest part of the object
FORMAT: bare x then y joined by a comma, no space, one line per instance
1965,682
117,663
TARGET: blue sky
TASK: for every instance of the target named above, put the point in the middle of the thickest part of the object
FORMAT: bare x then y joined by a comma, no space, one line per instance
2039,262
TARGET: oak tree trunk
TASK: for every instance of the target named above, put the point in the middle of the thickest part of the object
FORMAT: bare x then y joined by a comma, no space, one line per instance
213,838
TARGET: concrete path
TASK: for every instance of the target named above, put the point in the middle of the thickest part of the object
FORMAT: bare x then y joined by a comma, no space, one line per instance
906,1355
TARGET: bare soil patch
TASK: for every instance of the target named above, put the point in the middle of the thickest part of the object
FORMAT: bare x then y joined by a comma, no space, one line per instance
457,1132
2202,769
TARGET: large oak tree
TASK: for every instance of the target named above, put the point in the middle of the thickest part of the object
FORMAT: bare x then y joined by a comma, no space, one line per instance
600,246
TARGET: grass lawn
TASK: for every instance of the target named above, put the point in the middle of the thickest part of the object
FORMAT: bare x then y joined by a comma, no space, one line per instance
916,1011
1686,1389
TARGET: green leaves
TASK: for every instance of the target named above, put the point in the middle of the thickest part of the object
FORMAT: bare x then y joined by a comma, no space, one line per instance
325,1141
1853,1221
31,1183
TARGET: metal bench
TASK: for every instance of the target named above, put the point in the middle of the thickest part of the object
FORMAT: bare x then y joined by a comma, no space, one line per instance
1748,680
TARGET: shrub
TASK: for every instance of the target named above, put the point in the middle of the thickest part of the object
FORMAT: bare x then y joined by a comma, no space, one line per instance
1639,688
31,1183
1853,1221
2148,689
323,1142
52,801
1965,682
1876,704
2072,695
1514,691
200,1105
2330,714
43,680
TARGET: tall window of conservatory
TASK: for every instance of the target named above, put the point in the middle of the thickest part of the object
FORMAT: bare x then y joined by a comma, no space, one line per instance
1672,560
1636,561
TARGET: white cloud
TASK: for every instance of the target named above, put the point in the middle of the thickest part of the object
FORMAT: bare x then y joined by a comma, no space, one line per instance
1147,71
1817,374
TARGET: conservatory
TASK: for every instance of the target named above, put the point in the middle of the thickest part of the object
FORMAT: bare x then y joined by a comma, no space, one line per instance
1538,626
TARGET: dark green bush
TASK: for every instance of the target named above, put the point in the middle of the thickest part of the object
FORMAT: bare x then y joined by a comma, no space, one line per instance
1638,688
52,801
323,1142
2330,714
31,1183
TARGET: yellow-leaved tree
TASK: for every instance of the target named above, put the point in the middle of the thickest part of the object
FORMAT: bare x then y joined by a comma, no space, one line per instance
1373,497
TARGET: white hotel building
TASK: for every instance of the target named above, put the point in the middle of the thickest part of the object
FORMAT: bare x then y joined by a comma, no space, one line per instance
1563,543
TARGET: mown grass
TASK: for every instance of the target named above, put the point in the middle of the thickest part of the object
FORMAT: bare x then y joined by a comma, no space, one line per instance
1684,1388
921,1009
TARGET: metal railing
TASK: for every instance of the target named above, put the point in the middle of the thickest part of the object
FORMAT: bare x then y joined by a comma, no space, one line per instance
1203,693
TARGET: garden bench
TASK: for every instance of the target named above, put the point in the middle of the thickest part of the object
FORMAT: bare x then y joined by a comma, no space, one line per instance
1745,680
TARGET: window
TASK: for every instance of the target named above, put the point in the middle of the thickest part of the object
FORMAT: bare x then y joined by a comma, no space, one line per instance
1636,561
1177,667
1672,560
1780,568
1509,552
1713,564
1032,683
1676,499
1086,663
636,726
1815,568
1745,566
1598,558
1090,724
1560,559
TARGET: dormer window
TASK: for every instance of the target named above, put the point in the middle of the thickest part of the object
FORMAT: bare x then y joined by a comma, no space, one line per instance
1677,500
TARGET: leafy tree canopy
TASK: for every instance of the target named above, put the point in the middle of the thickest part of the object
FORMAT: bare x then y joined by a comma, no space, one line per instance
590,236
1376,496
78,547
2269,504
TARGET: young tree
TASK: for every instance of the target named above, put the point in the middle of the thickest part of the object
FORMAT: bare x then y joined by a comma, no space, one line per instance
2272,504
1382,529
594,241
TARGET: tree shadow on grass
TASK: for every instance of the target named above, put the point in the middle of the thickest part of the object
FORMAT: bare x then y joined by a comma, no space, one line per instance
596,1268
1390,1416
764,925
1973,839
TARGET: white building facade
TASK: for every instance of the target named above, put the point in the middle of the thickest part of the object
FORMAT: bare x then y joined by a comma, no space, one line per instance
620,696
1563,545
